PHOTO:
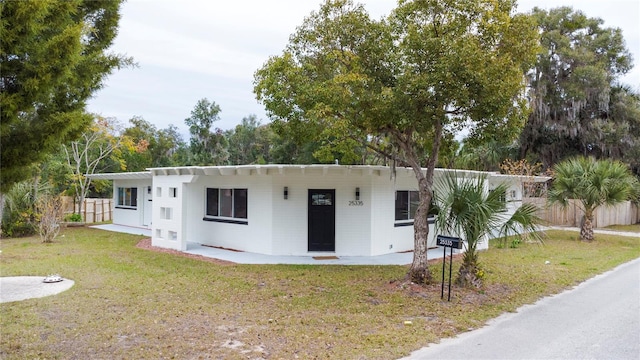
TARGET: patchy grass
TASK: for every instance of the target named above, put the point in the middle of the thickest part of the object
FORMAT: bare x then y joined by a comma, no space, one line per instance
133,303
629,228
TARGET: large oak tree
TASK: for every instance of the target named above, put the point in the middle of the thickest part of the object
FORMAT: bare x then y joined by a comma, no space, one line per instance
53,57
429,69
577,107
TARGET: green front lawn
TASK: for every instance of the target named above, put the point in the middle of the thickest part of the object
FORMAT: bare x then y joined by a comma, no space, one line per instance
133,303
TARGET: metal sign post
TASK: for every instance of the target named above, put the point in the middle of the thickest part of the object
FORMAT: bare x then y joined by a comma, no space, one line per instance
451,243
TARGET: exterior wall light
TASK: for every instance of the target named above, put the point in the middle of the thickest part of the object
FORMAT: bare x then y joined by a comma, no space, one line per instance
357,193
286,192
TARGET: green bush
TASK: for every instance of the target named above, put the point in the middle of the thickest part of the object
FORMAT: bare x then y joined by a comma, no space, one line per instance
19,217
18,225
73,218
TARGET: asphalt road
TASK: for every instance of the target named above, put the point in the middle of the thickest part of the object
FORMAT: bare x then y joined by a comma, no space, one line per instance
599,319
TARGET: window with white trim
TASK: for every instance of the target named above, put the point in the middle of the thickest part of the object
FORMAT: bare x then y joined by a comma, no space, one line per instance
226,205
127,198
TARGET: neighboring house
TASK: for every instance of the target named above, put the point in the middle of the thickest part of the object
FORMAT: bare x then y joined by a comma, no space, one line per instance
280,209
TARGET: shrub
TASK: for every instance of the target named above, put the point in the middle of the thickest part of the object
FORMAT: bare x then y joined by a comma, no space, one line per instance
73,218
19,217
50,214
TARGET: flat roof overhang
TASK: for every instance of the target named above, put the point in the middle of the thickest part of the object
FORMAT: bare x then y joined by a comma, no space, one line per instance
288,169
122,176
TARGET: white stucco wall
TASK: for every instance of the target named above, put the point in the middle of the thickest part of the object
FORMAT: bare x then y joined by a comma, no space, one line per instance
279,226
129,216
169,231
352,218
255,236
387,237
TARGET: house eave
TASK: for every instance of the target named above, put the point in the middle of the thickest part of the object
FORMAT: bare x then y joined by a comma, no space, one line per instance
139,175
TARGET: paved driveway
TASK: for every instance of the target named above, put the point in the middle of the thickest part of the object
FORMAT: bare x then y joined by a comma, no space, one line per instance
599,319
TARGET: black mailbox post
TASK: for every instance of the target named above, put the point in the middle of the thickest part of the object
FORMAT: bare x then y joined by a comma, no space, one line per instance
451,243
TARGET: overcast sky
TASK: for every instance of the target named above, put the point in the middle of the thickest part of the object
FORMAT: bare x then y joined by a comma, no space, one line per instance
193,49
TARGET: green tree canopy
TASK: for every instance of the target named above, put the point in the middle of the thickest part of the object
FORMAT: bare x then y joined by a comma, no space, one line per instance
430,68
574,105
249,142
53,57
617,134
208,146
150,147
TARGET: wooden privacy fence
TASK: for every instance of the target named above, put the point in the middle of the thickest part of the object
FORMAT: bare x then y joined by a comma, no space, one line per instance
93,210
625,213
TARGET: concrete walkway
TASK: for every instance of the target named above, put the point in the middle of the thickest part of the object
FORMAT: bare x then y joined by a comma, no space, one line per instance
242,257
123,229
597,231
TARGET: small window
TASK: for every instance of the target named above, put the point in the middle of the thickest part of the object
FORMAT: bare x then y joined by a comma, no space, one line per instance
159,233
172,235
159,191
225,205
321,199
173,192
127,198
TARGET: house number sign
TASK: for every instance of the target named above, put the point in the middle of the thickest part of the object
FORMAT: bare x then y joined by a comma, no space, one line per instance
356,203
451,243
448,241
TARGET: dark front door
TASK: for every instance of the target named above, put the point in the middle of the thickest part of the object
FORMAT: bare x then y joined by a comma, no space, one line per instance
322,220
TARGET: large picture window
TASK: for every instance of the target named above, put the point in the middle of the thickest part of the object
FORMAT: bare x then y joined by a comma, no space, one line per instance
406,205
127,198
226,205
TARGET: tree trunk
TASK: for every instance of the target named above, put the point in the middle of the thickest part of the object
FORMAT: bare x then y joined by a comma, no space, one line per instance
419,271
1,209
586,231
468,273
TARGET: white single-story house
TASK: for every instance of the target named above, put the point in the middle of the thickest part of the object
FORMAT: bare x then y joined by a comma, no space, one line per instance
273,209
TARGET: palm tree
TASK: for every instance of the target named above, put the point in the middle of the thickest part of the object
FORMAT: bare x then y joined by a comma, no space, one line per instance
592,183
469,210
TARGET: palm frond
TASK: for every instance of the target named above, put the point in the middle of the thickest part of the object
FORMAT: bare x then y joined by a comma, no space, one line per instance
524,221
468,209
